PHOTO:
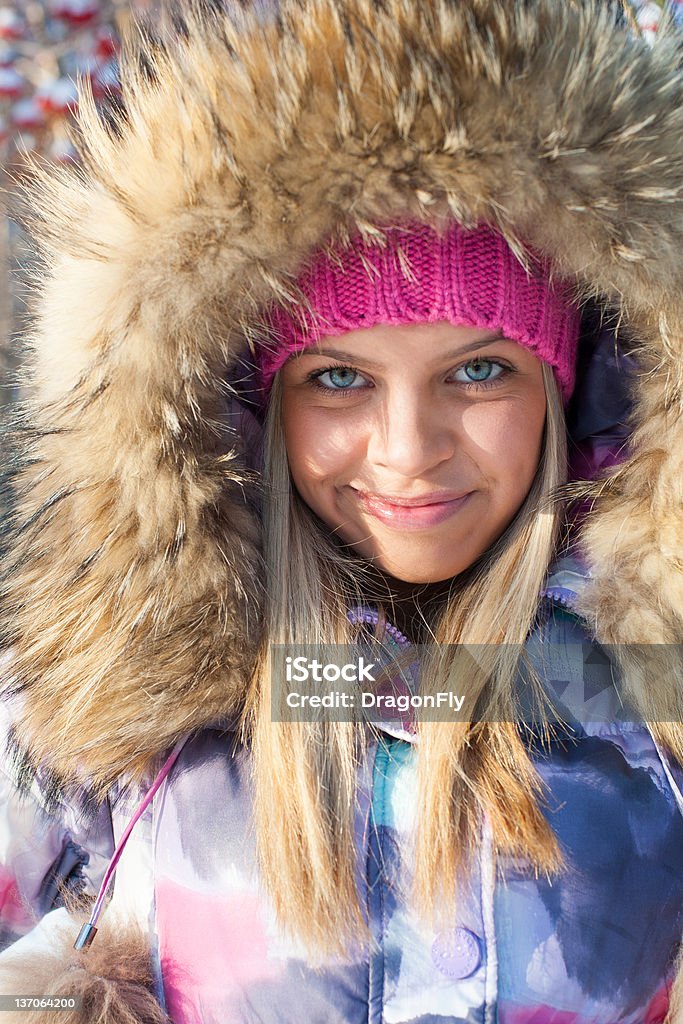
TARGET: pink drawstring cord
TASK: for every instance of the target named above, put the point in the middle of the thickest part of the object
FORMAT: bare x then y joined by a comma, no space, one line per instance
89,930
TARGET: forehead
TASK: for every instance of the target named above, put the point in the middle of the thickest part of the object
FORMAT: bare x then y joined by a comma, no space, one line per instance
378,346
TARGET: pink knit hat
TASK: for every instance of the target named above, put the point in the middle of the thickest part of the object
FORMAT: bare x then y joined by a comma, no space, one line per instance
463,277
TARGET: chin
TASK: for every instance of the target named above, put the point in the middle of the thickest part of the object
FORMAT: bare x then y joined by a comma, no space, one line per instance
421,567
419,574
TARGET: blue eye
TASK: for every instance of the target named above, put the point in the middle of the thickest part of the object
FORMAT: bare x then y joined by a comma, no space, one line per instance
480,371
342,380
339,378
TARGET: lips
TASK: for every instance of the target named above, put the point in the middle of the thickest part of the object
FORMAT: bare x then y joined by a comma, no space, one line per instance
417,512
433,498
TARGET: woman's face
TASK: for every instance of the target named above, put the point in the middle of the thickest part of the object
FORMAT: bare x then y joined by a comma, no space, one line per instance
415,444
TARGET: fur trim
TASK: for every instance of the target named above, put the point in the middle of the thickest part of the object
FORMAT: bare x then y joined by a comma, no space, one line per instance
130,593
675,1014
113,978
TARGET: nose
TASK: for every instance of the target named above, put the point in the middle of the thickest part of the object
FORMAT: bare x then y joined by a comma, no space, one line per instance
411,434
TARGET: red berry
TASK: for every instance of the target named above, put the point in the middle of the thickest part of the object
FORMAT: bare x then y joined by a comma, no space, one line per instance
58,96
27,114
78,12
106,42
11,83
12,25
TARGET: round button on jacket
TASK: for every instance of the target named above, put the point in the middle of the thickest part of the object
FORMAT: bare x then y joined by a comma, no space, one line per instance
457,953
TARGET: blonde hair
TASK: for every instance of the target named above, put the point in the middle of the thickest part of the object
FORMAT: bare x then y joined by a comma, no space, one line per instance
305,773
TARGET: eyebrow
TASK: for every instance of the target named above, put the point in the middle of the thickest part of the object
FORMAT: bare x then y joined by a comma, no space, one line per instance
455,353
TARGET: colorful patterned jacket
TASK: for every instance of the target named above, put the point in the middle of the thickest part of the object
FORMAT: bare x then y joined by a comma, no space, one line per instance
595,946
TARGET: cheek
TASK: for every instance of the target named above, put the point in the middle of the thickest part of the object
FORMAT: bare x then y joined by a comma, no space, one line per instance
505,439
319,450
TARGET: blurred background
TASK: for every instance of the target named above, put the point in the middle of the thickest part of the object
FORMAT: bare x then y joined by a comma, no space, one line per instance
45,47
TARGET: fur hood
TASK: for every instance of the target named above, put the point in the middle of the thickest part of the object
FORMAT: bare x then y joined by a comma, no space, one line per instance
132,578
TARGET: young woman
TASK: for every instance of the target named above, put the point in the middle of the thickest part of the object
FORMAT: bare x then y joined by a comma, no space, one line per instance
334,319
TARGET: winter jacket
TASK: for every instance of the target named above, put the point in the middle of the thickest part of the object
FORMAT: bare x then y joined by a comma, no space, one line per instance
132,577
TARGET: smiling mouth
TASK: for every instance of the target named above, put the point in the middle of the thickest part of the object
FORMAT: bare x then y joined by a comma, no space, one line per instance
412,513
433,498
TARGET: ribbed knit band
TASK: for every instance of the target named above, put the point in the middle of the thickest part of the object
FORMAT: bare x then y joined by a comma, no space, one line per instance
463,277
